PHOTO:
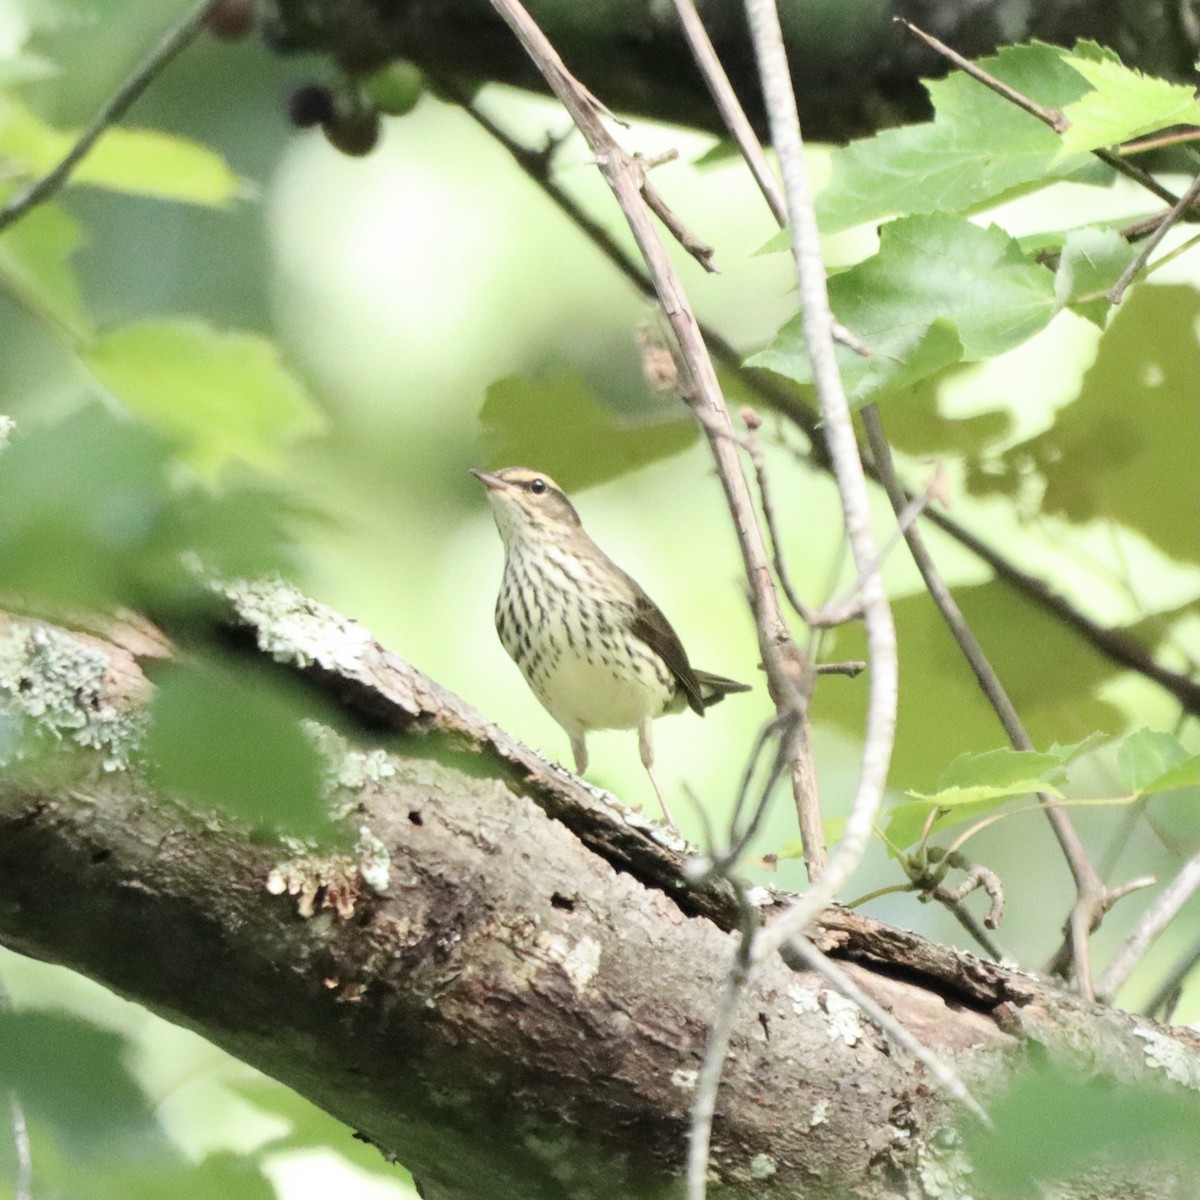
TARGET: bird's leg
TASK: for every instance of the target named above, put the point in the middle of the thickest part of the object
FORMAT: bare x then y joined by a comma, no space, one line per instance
646,746
579,749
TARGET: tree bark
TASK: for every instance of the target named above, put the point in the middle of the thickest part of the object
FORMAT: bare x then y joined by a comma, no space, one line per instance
508,986
854,70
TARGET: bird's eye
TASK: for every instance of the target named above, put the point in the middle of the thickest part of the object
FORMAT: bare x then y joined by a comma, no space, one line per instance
537,486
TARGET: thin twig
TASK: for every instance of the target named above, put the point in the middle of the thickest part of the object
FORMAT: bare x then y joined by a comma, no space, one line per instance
700,251
175,40
1153,921
748,834
766,503
1088,885
1116,646
24,1182
977,877
1117,291
23,1188
768,731
739,126
847,608
850,669
1049,116
1162,1004
968,921
720,1032
843,447
730,108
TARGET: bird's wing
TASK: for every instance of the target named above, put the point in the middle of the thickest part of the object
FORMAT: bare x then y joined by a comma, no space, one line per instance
655,630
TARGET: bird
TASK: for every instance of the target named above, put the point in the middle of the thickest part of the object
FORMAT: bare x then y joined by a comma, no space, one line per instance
596,651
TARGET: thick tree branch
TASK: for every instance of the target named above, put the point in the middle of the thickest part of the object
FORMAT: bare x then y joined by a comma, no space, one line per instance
521,1008
853,70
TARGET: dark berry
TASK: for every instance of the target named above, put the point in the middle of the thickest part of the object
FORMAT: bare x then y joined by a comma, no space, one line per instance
311,104
229,20
355,134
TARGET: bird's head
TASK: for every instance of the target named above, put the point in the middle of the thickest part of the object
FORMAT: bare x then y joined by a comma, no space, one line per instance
528,504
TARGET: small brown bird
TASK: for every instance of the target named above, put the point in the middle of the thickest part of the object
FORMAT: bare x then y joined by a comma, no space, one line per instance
596,650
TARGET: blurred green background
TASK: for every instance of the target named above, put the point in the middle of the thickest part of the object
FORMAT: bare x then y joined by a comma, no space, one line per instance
414,287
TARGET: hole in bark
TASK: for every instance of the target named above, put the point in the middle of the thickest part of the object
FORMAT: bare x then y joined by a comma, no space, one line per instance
558,900
101,856
416,818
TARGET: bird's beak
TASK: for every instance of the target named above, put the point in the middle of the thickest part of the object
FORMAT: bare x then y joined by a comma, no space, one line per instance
493,483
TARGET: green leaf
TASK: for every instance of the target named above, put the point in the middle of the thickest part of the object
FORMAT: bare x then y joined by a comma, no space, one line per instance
73,1077
311,1128
140,161
226,738
1150,761
1091,261
26,67
1125,450
224,395
978,148
939,290
36,270
558,426
1124,104
959,797
1053,1124
901,355
907,820
80,501
942,711
96,514
1003,768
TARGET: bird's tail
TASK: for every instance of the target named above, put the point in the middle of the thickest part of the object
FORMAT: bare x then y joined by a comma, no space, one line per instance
714,688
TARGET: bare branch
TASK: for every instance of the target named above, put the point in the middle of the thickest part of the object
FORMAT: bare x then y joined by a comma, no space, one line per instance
1088,885
843,448
947,1078
730,108
720,1031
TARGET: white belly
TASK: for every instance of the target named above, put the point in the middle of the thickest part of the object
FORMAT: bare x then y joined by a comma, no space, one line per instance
582,695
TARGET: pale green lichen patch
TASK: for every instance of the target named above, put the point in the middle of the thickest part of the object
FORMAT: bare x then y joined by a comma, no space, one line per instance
579,960
293,628
762,1166
1167,1055
57,683
374,861
843,1020
347,770
944,1168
